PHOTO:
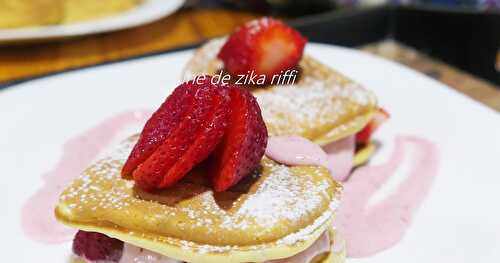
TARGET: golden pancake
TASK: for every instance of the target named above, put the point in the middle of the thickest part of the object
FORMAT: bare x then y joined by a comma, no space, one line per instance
276,213
322,105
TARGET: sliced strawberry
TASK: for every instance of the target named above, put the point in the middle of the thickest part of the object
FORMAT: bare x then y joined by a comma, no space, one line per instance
363,137
160,126
190,140
267,46
243,145
97,247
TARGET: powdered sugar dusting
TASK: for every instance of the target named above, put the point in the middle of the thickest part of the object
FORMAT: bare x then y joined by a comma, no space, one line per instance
313,103
282,190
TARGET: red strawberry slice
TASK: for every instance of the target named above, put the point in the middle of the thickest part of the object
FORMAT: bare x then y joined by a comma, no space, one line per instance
267,46
363,137
159,126
97,247
190,138
243,145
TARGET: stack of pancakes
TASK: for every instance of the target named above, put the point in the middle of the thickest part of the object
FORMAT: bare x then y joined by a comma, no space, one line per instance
278,213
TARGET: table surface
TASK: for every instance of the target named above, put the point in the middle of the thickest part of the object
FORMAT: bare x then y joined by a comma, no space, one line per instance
190,26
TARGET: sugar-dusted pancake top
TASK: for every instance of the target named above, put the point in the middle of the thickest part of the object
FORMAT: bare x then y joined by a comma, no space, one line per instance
275,202
322,105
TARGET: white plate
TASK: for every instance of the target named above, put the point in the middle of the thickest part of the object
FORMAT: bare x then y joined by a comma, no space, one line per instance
459,221
148,11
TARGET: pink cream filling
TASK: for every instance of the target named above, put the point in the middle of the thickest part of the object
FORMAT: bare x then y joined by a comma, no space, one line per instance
337,157
133,254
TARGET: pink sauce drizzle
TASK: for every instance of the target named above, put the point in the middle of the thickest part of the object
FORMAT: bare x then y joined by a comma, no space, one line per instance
38,219
372,229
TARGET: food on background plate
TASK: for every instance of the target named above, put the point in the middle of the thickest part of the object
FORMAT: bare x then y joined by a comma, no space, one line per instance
16,13
33,13
196,185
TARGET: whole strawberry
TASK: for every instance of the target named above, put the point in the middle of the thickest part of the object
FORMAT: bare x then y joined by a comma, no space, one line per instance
97,247
266,46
